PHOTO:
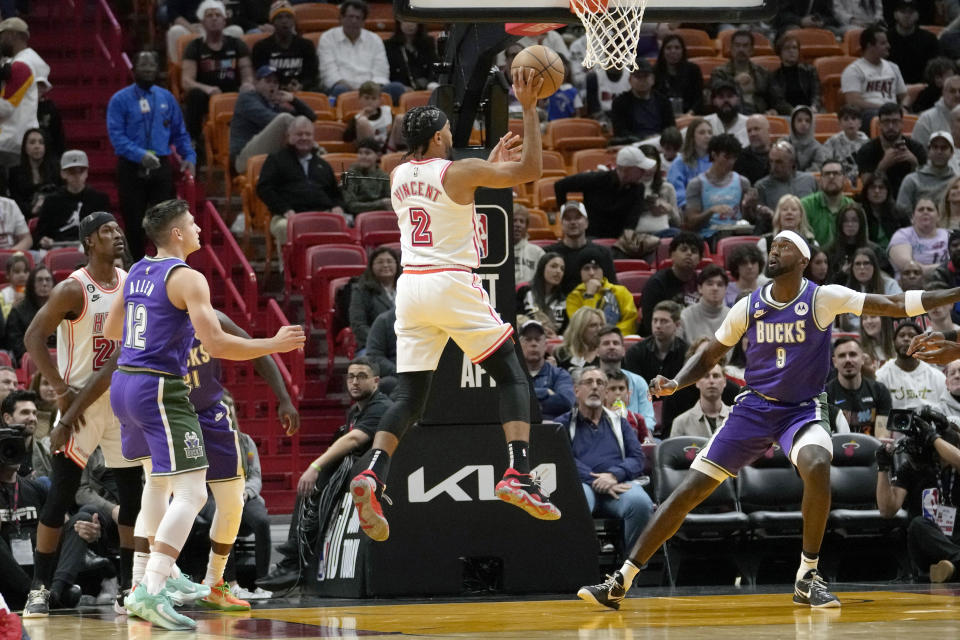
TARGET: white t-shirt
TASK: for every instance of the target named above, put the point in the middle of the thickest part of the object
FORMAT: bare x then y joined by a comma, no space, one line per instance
739,128
925,385
877,84
831,300
12,224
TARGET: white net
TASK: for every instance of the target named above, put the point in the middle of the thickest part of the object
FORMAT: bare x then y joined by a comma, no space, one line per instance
613,30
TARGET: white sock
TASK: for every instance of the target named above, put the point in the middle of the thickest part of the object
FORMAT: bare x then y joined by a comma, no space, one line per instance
215,568
174,571
806,564
139,566
158,569
629,571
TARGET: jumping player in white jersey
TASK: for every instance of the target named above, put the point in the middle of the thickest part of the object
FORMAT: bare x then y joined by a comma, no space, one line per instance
439,296
77,310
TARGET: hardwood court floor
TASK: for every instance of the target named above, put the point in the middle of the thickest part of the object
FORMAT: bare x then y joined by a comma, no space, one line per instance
869,611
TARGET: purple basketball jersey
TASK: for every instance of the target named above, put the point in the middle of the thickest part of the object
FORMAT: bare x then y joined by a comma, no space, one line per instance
788,356
203,378
156,335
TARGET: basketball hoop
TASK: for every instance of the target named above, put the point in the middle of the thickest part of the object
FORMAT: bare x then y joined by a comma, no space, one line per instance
613,31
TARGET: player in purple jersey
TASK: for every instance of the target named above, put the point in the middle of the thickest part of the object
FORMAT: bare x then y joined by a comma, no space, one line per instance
788,325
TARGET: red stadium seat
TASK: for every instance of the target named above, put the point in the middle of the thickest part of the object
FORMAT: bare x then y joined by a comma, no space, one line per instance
64,261
308,229
634,281
627,264
726,245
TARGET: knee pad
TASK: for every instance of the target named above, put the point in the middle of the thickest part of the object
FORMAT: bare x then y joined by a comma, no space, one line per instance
504,367
410,399
129,490
64,482
228,495
153,505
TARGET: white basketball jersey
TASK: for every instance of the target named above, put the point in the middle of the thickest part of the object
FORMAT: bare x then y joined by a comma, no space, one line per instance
81,347
434,230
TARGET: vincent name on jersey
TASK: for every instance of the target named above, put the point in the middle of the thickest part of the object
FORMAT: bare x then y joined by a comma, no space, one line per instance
416,188
781,332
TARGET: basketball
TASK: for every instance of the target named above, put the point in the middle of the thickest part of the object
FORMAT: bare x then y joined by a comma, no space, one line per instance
546,63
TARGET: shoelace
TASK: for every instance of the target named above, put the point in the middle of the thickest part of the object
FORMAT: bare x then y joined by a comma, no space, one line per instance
817,583
611,582
536,484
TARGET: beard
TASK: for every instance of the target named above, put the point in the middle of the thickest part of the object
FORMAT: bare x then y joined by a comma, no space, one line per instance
727,112
773,272
145,83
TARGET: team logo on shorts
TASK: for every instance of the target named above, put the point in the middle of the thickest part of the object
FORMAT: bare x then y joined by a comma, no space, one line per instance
801,308
191,445
483,235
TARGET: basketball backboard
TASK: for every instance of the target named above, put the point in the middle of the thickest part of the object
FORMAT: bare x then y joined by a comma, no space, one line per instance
559,10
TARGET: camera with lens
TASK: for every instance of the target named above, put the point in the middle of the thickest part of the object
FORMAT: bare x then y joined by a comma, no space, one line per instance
13,445
915,449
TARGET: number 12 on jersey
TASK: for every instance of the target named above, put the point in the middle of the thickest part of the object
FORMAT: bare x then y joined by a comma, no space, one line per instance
136,318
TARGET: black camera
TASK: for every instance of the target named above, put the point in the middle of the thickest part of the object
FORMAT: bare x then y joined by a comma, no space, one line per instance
13,446
915,448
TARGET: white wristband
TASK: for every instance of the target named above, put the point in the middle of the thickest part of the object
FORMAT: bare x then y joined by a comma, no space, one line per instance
912,301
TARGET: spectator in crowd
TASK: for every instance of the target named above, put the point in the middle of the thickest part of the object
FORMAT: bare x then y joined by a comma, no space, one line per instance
911,47
931,180
293,56
296,178
939,317
704,317
678,283
727,116
709,413
615,199
818,271
641,112
14,233
865,274
876,339
573,224
262,117
411,54
39,286
745,264
752,79
923,241
612,353
602,86
753,163
949,270
935,553
608,456
46,402
844,144
595,291
18,270
61,212
794,14
937,117
949,205
856,14
20,96
374,120
809,153
693,160
865,403
784,178
382,348
142,145
352,439
660,215
850,234
8,381
911,276
37,172
891,152
935,75
677,78
186,18
542,298
374,291
350,55
551,384
794,83
367,187
566,101
581,340
912,383
213,63
871,81
714,197
823,206
883,219
617,397
20,407
525,254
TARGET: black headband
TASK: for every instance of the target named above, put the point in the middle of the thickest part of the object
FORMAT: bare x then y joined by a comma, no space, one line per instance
94,221
421,123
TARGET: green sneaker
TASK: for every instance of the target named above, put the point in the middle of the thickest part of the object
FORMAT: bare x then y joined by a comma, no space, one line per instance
157,609
183,590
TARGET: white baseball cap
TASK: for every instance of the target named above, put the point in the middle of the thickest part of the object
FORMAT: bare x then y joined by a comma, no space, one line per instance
73,158
573,204
941,134
207,5
633,157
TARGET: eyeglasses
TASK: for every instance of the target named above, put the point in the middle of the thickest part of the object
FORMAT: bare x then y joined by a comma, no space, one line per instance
830,173
359,377
593,382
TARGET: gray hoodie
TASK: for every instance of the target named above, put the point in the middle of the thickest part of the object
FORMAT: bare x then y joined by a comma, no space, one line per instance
925,182
810,153
936,118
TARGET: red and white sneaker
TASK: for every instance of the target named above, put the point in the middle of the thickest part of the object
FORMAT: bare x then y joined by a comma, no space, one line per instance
523,490
367,491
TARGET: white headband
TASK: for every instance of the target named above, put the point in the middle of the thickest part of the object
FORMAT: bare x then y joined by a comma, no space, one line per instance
795,238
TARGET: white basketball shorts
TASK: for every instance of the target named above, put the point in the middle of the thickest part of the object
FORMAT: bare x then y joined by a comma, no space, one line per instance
101,428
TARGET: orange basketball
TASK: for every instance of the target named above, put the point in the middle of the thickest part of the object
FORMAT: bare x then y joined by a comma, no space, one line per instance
546,63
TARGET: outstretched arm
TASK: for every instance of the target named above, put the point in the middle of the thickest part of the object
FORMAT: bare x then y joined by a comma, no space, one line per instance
895,306
706,357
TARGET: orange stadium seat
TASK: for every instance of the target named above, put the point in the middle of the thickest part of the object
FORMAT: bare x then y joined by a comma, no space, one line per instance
697,41
537,219
251,39
329,135
707,65
825,125
778,126
381,18
851,42
340,161
553,164
591,159
770,63
348,103
389,161
816,43
909,122
544,197
216,136
173,68
541,233
319,102
830,69
761,44
315,16
571,134
412,99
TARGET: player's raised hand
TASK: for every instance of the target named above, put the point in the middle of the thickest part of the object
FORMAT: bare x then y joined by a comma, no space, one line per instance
661,387
508,149
289,417
933,348
526,86
289,338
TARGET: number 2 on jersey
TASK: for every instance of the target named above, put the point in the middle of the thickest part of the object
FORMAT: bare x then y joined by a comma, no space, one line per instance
136,326
102,350
422,236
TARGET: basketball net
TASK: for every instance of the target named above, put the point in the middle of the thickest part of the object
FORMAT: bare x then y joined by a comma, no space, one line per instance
613,31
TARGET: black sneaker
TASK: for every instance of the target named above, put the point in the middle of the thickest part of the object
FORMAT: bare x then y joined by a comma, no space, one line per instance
118,607
609,594
281,578
812,590
38,603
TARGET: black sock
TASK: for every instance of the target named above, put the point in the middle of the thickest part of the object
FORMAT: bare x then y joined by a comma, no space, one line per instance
380,464
56,590
518,454
43,571
126,568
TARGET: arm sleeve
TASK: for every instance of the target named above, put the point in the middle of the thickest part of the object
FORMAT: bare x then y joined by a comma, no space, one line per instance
327,60
123,146
851,80
694,189
644,405
370,419
676,177
562,398
905,198
833,299
18,83
381,68
735,324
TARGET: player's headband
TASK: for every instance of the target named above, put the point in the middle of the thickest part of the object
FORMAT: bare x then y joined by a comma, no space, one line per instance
421,123
94,221
795,238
